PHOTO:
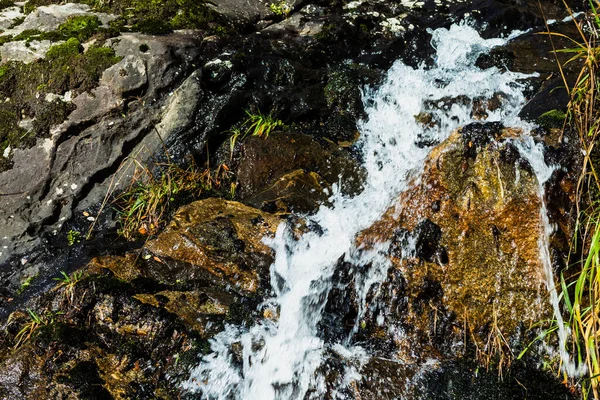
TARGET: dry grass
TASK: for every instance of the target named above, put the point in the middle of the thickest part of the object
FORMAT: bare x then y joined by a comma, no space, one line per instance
148,199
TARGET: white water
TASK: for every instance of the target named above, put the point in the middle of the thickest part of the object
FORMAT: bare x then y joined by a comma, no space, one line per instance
280,358
534,154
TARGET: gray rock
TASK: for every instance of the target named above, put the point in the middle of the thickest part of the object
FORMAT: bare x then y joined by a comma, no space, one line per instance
25,52
66,171
48,18
92,105
127,75
8,16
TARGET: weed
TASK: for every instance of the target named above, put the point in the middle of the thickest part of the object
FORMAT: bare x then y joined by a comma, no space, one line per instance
73,237
260,124
581,292
36,322
143,206
281,9
26,283
256,124
69,282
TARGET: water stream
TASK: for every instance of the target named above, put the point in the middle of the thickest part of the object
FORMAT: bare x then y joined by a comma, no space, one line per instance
281,356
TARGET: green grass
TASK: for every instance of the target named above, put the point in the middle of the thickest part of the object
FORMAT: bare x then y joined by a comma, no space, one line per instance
31,328
69,282
143,207
580,289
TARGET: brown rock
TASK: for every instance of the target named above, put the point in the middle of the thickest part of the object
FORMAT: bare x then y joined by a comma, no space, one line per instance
476,224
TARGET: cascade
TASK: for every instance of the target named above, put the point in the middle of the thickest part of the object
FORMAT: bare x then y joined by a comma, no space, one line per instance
281,356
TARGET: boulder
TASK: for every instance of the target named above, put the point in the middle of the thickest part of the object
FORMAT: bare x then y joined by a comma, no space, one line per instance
216,240
466,278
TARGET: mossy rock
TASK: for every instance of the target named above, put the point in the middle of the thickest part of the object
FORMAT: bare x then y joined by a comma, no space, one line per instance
552,119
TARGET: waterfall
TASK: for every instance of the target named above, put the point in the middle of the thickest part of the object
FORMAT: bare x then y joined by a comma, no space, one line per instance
280,358
534,154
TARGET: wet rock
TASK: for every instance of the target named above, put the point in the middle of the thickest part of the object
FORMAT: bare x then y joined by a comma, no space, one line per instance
474,259
297,191
216,240
262,164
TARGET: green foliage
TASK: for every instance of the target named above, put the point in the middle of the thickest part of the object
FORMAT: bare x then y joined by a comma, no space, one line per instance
143,206
281,9
81,27
6,4
552,119
159,16
260,124
26,283
73,237
32,328
64,51
69,282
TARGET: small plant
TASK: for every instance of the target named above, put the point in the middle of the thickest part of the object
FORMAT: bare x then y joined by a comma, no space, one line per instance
26,283
69,283
260,125
143,206
281,9
36,322
73,237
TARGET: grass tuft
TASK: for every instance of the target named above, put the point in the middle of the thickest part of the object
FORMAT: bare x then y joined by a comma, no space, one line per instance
145,204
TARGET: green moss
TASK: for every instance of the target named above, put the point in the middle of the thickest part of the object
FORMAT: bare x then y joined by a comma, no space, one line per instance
65,68
6,4
81,27
33,4
159,16
552,119
64,51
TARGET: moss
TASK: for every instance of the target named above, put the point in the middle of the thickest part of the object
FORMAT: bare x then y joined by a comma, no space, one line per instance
552,119
33,4
159,16
65,68
81,27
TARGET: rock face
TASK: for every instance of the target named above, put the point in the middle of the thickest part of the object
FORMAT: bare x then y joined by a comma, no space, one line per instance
130,327
169,81
220,237
466,277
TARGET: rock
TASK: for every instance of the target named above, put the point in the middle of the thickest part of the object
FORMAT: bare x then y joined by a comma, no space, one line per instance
216,240
50,178
90,106
9,15
126,76
474,263
241,12
298,191
48,18
262,164
24,51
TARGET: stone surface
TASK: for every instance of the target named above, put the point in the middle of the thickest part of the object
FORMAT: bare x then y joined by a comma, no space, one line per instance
217,240
126,76
474,267
48,18
26,52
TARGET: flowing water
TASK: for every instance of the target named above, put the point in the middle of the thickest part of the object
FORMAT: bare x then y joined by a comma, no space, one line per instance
281,356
